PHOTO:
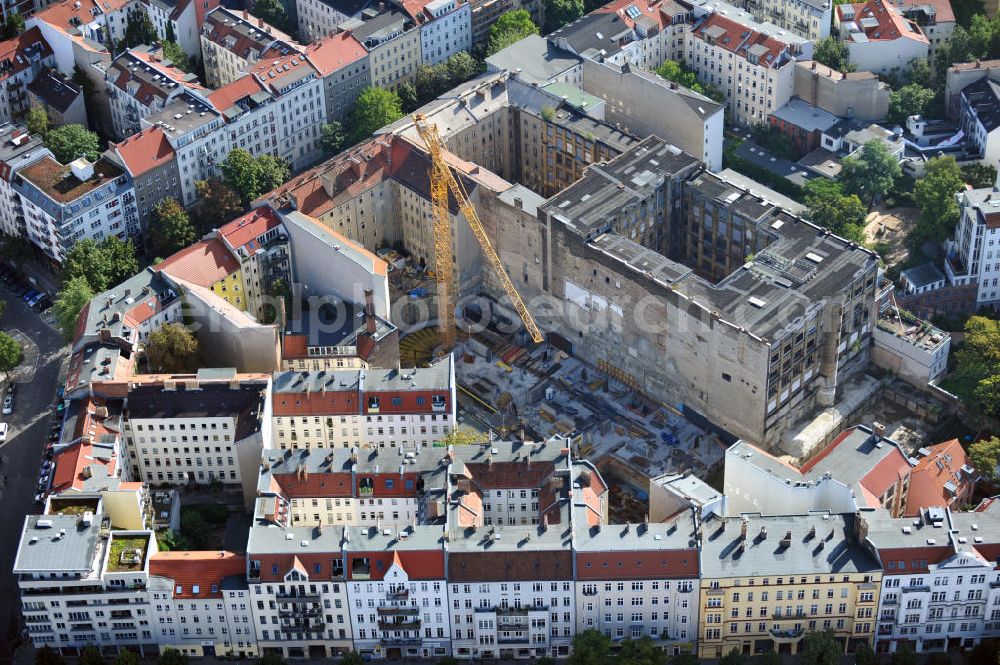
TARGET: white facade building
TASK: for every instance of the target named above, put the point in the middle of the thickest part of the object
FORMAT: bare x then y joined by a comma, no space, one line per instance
447,31
973,256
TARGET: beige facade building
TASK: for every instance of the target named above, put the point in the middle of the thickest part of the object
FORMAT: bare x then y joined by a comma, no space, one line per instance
392,40
231,43
806,18
860,95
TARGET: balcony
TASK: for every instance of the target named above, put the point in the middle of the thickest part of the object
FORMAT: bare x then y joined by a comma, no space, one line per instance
512,639
590,592
398,594
297,598
917,588
399,611
413,624
788,634
400,641
303,627
300,613
791,615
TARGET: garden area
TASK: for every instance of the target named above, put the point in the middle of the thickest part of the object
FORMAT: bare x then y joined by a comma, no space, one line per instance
203,527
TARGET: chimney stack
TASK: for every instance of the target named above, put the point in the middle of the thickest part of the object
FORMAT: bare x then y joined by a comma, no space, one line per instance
370,312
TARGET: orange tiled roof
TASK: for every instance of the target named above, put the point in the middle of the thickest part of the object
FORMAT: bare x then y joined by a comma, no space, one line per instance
335,52
928,479
738,38
11,48
227,96
244,229
204,263
204,570
145,151
891,24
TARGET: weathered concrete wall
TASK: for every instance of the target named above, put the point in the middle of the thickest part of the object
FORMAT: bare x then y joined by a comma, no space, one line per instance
865,97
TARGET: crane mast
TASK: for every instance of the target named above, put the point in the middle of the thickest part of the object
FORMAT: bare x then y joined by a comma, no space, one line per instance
443,181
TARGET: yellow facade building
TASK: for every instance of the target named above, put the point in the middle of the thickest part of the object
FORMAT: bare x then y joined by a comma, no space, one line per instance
210,264
766,582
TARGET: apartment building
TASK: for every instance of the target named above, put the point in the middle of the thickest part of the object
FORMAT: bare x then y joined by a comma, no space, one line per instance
22,59
151,163
141,85
807,18
752,600
321,18
200,603
392,40
397,590
84,583
232,43
61,98
196,428
445,29
486,12
18,149
298,590
940,587
879,38
752,66
343,64
638,580
66,203
979,114
210,264
935,18
971,258
259,242
373,408
70,24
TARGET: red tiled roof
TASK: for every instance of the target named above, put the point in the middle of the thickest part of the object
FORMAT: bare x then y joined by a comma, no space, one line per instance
636,565
928,478
891,24
508,475
227,96
203,263
70,463
204,570
273,69
222,23
886,473
314,485
418,564
242,230
737,38
10,48
334,402
145,151
68,14
295,346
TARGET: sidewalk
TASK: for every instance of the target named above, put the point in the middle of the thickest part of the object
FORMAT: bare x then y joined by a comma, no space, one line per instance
40,277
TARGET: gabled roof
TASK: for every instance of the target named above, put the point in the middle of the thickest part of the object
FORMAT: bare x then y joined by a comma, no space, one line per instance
335,52
144,151
939,478
54,89
203,263
19,53
197,574
228,95
243,231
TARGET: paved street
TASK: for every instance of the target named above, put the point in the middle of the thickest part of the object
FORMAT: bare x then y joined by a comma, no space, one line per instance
29,427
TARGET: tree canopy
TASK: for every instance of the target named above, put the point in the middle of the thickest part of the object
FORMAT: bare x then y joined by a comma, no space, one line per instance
912,99
332,137
976,377
37,120
934,194
172,656
985,456
251,176
102,264
642,652
173,229
273,11
217,204
820,649
375,108
11,354
173,52
871,173
139,29
678,72
434,80
844,214
511,27
833,53
590,647
979,175
13,26
172,348
560,12
72,141
75,294
91,655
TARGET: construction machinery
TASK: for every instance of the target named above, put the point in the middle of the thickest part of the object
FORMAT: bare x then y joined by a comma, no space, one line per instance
443,181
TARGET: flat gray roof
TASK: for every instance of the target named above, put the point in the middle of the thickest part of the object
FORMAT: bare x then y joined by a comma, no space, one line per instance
806,116
57,543
533,60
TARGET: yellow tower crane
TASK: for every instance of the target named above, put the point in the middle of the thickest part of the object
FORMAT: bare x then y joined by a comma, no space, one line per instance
443,181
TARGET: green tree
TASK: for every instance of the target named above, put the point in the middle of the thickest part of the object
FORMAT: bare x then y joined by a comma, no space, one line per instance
173,52
641,652
11,354
15,250
86,260
985,456
461,436
590,647
172,656
75,294
272,172
48,656
560,12
173,229
461,67
678,72
332,137
832,209
37,120
918,72
172,348
978,364
863,655
903,655
217,204
912,99
14,26
769,657
120,257
408,99
170,35
871,173
833,53
934,194
734,657
431,81
270,658
375,108
511,27
139,29
937,658
272,11
91,655
127,657
979,175
820,649
72,141
352,658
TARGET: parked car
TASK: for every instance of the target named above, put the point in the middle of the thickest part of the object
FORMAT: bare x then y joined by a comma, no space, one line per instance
8,405
31,295
37,299
3,432
42,305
